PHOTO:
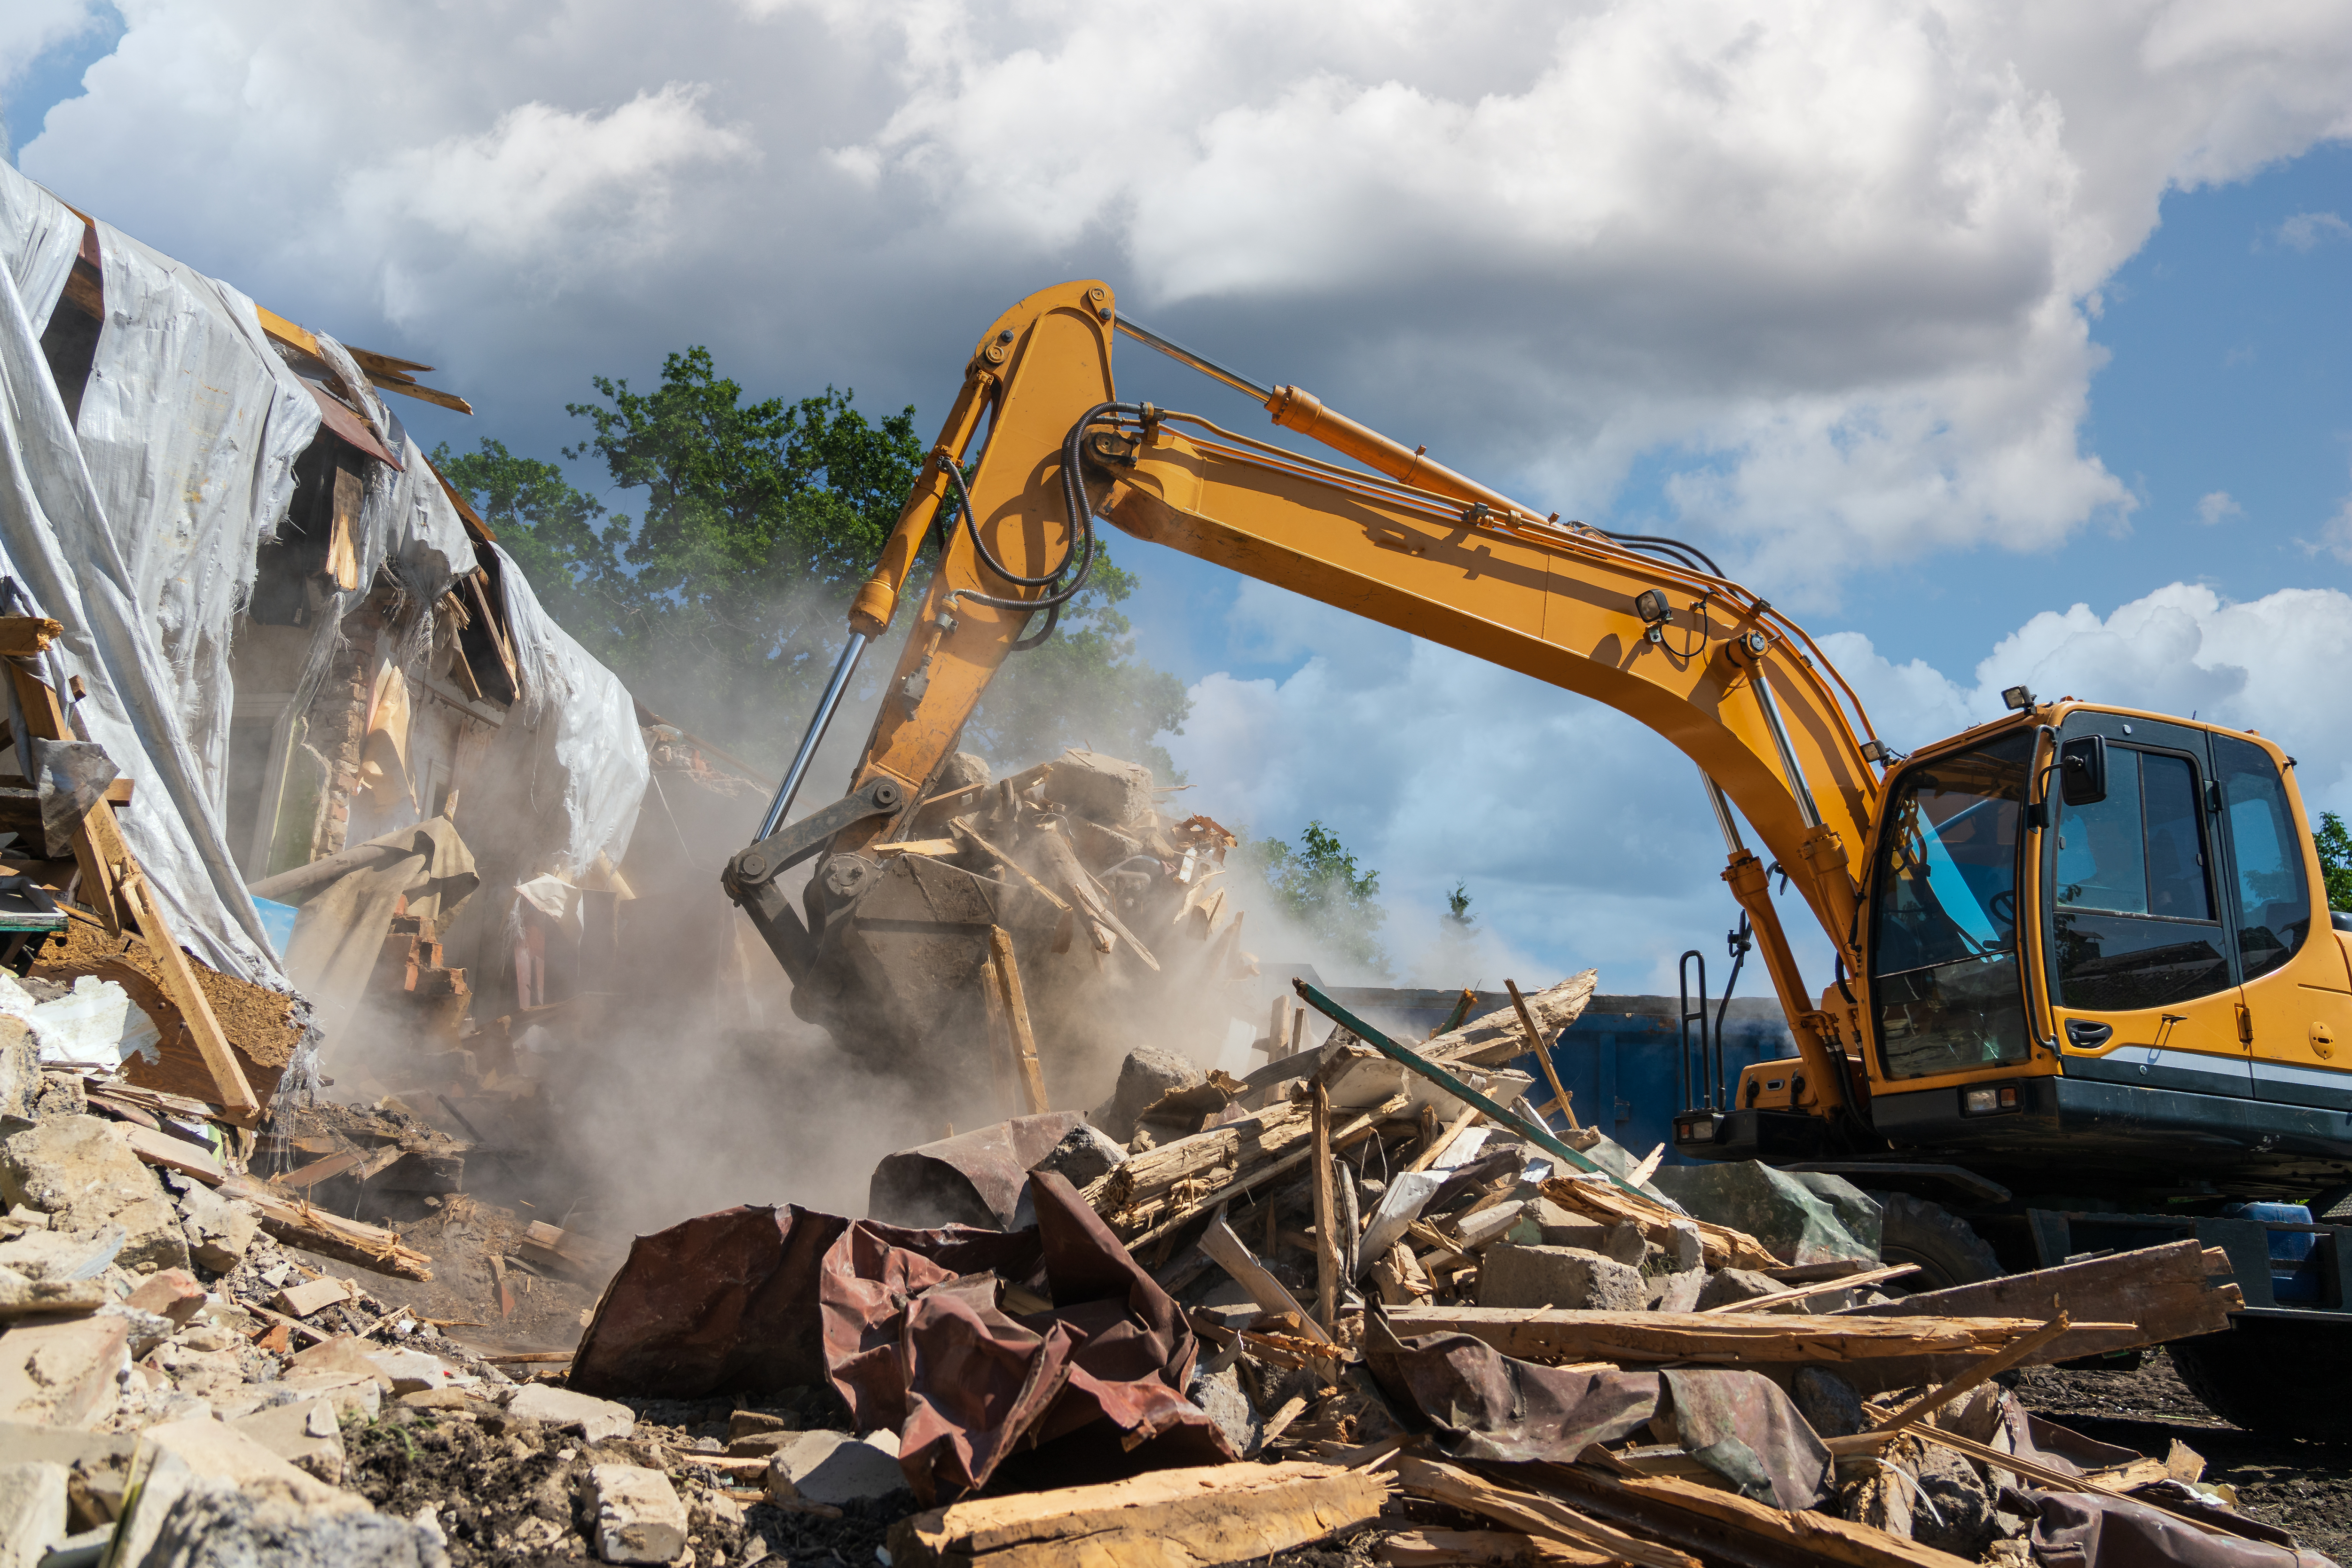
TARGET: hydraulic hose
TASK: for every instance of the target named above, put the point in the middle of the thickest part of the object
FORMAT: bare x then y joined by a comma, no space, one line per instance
1082,530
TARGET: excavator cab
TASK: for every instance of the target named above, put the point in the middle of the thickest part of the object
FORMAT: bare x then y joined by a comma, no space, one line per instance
2094,936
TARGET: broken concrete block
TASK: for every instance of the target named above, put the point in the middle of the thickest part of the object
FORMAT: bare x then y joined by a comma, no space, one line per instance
351,1393
79,1167
61,1253
310,1296
597,1419
1563,1277
1678,1292
1102,789
1565,1227
1220,1395
1827,1402
1626,1244
1147,1076
214,1523
1688,1250
171,1293
307,1436
220,1229
152,1236
20,1068
1975,1414
1731,1285
1084,1155
1962,1519
1778,1209
639,1516
345,1354
834,1468
201,1461
23,1297
32,1511
411,1371
62,1375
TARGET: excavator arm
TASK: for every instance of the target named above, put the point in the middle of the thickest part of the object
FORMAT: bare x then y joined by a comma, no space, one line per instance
1738,687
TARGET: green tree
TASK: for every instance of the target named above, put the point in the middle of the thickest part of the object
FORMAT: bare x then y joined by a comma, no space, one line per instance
721,600
1457,916
2335,859
1318,886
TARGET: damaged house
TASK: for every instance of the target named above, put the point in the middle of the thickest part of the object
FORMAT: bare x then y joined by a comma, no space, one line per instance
362,776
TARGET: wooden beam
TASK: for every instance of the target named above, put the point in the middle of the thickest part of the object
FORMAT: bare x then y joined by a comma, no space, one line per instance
1720,1523
296,1223
1326,1210
42,717
1542,1055
1818,1287
24,636
1004,975
2157,1293
1729,1338
1166,1519
1532,1513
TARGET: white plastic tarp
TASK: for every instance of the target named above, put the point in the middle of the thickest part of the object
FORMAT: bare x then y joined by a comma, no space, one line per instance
191,425
43,238
56,541
563,778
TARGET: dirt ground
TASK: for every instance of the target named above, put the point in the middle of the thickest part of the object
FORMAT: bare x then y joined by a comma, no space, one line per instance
2305,1488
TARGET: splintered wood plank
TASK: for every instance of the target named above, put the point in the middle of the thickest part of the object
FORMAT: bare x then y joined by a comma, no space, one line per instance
1533,1513
1730,1338
24,636
1327,1247
2157,1293
1004,975
174,1154
1169,1519
297,1224
43,717
1720,1522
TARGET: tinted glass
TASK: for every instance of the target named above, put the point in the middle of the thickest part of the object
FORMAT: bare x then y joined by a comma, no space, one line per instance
2133,923
1943,945
2141,850
2272,899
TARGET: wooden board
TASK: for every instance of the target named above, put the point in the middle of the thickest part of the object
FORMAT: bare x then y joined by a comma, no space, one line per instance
2160,1293
1727,1339
297,1224
1189,1518
1719,1524
174,1154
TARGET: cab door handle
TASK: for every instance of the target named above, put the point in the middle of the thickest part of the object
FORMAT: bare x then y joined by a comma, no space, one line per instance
2245,1026
2088,1034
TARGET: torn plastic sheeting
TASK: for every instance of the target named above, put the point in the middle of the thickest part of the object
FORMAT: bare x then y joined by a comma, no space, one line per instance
43,237
1491,1406
973,1178
57,542
2087,1530
903,1324
95,1024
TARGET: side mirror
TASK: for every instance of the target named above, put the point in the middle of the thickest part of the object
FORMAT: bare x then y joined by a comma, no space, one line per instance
2083,770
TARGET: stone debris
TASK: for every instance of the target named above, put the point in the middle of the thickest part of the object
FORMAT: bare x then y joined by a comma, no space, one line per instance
594,1419
836,1467
639,1515
32,1510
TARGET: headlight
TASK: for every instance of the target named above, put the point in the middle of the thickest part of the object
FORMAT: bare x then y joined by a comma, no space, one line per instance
1988,1101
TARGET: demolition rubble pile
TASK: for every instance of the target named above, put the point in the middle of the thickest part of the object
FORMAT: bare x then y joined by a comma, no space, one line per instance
1368,1292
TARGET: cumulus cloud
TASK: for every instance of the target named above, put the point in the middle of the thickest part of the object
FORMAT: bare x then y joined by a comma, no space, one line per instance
30,28
1821,272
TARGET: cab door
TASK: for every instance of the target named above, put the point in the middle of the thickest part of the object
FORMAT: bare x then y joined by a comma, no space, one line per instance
2296,1000
2141,980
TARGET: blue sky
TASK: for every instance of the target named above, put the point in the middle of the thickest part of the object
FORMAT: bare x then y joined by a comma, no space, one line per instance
1931,328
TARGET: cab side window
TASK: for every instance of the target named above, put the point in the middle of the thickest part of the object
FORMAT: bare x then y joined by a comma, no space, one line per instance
2271,897
2134,919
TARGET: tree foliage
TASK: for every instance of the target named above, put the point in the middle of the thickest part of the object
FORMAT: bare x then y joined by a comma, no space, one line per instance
1319,887
2335,859
721,598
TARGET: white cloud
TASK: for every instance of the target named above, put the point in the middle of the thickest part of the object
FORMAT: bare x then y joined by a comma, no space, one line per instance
1824,267
30,28
2217,507
2306,231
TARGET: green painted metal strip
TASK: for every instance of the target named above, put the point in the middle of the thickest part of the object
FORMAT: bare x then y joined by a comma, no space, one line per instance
1413,1061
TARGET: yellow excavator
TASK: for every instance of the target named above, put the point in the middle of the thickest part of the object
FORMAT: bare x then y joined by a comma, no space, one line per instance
2088,991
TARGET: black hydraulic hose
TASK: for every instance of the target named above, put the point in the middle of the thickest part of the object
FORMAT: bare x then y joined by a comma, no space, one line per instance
1691,554
1082,526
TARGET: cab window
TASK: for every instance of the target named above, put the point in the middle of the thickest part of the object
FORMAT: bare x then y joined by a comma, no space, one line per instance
1943,939
2133,921
2271,899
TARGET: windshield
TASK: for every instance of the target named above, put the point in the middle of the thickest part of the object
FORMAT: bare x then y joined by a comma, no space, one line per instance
1943,939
